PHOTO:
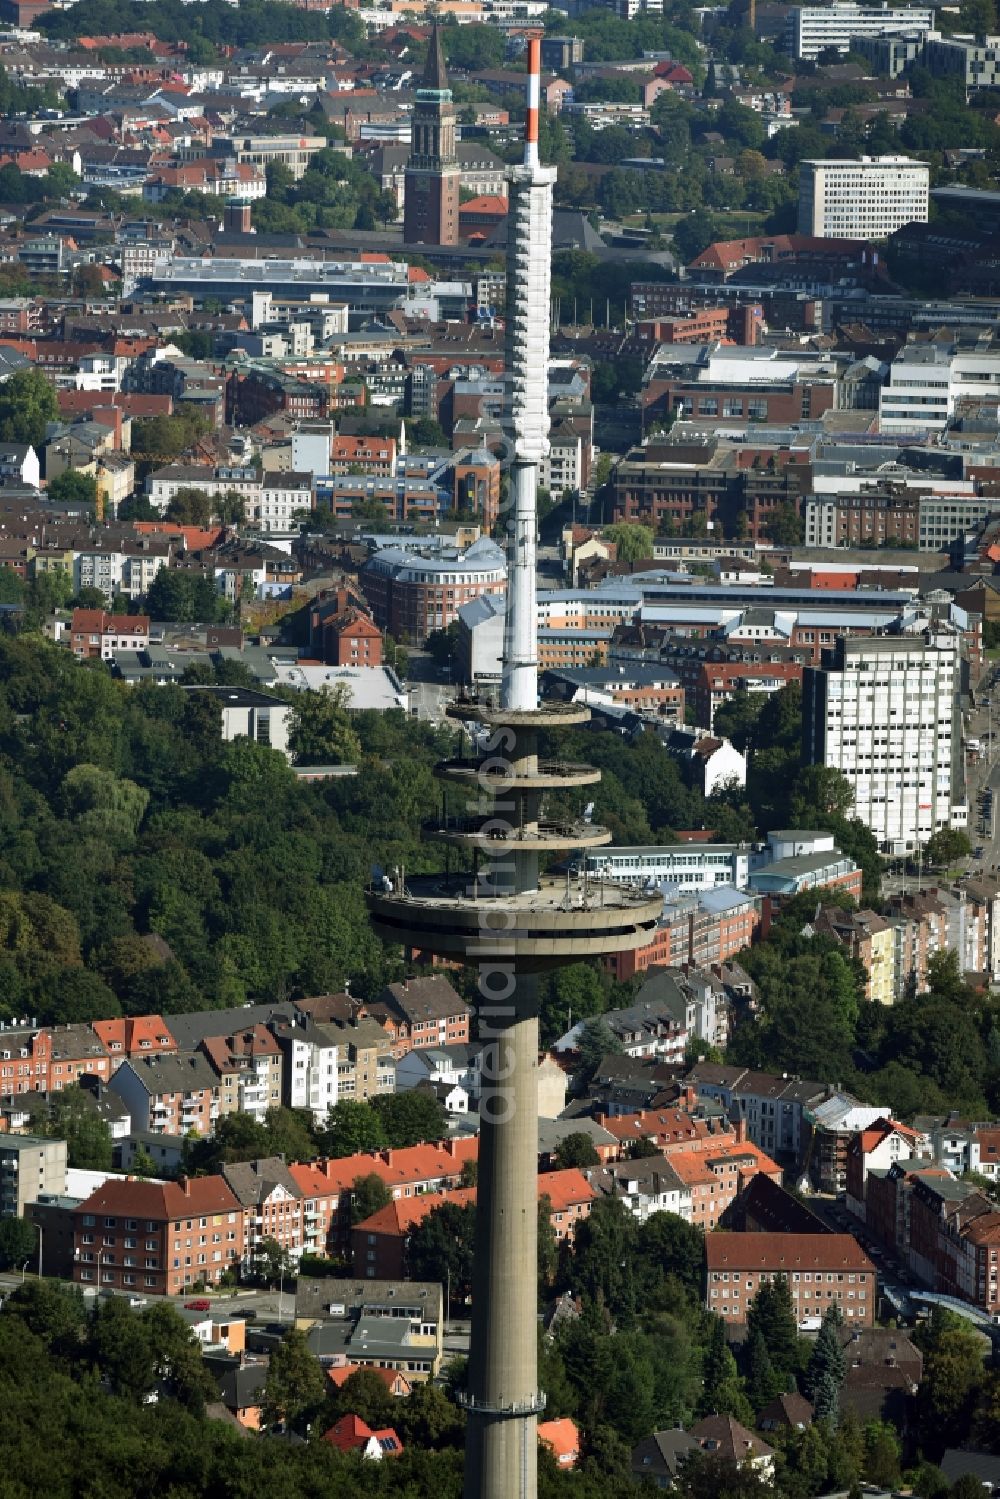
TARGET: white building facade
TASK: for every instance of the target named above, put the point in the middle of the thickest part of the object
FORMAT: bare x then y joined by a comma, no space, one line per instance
884,713
812,29
866,199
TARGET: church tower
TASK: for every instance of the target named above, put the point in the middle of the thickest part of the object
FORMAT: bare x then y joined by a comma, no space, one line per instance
430,207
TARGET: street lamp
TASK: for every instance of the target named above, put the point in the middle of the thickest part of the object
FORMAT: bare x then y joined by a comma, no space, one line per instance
39,1227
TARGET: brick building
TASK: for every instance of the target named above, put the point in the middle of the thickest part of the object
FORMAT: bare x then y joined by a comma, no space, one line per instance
96,635
157,1237
422,1012
820,1269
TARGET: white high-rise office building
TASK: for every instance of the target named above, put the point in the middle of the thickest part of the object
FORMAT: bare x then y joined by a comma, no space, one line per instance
812,29
883,711
866,199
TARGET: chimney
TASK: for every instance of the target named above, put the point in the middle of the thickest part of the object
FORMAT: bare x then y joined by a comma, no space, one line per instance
184,1182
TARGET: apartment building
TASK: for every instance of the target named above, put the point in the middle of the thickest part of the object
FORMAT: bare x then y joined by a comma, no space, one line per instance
169,1095
701,930
134,1035
95,635
867,199
868,938
407,1173
271,501
157,1238
775,1109
273,1206
379,1243
248,1066
884,713
820,1270
812,29
422,1012
30,1167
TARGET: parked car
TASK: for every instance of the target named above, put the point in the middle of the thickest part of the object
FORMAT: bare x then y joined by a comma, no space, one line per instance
198,1306
137,1301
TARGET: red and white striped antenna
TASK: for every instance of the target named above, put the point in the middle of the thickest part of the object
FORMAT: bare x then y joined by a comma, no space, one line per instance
534,102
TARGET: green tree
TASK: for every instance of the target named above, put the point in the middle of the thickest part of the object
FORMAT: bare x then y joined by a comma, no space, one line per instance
369,1194
772,1315
576,1149
320,730
442,1245
723,1391
947,846
295,1386
271,1262
827,1367
785,526
632,541
410,1118
73,488
762,1380
18,1242
351,1128
27,404
596,1041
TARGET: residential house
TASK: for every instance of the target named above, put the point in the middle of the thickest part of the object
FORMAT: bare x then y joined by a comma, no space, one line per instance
310,1055
562,1437
134,1035
645,1186
867,937
658,1459
248,1066
820,1269
884,1369
272,1202
157,1237
169,1094
786,1413
241,1391
422,1012
878,1146
723,1438
75,1052
19,465
396,1384
351,1434
835,1123
96,635
774,1107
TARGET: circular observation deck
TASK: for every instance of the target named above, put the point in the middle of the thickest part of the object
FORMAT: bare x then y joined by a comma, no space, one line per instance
492,834
554,924
495,774
550,715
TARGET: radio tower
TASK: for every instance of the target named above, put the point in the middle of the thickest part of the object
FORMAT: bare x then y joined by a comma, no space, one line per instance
501,913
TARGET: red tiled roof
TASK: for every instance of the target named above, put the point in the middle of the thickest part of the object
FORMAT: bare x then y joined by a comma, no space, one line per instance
162,1200
777,1252
130,1032
564,1189
563,1436
397,1168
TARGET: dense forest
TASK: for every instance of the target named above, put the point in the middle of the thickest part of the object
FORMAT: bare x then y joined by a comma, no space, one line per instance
125,818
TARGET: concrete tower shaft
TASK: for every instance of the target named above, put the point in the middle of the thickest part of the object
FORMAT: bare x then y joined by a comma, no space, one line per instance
502,914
